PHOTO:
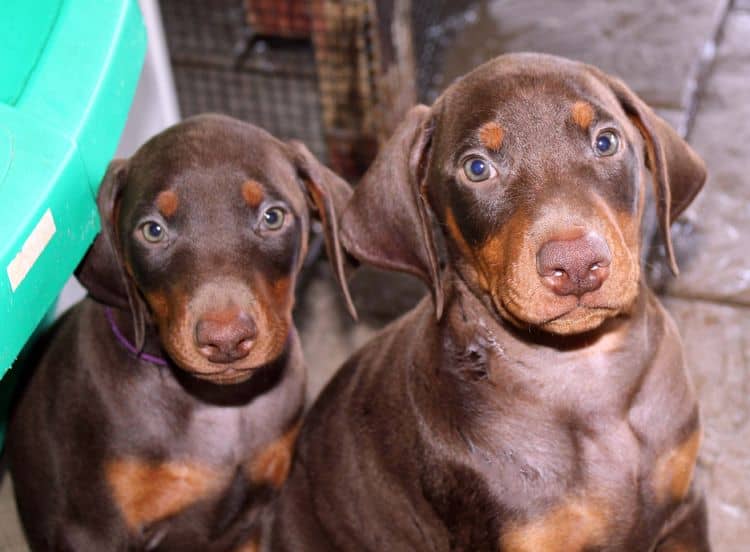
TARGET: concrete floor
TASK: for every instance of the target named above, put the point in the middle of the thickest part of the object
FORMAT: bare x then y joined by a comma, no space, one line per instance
691,60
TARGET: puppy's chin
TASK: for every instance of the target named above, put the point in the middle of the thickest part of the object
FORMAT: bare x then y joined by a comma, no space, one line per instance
566,320
230,377
193,363
579,320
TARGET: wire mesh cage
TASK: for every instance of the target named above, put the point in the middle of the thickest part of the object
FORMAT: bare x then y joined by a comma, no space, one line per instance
220,65
336,74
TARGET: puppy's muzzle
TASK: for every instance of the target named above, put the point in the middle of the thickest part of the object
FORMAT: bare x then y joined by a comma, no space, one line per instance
574,266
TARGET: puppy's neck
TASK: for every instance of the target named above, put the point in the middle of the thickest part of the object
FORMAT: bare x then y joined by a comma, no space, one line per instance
264,379
122,326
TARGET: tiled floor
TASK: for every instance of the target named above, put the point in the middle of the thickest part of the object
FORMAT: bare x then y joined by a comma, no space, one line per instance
656,47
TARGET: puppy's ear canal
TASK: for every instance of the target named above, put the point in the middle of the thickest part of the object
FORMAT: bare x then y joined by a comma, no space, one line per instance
387,222
102,270
677,171
329,194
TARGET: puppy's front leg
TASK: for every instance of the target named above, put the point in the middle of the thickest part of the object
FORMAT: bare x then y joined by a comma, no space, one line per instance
74,537
690,531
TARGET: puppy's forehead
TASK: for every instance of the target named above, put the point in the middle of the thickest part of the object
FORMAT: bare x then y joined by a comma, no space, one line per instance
205,155
520,93
210,142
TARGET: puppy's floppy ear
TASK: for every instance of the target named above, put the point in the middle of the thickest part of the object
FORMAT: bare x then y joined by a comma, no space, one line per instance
677,171
387,222
102,270
328,193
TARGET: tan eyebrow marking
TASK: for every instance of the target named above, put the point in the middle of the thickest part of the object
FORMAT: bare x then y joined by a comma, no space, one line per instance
253,193
582,114
167,203
491,135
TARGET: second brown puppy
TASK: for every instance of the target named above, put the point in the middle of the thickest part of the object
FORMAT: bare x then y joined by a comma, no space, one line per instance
539,401
164,407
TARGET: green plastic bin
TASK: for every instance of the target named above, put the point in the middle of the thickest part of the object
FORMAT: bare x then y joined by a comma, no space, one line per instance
68,73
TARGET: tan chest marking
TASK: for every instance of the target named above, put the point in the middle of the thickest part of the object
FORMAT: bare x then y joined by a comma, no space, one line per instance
570,527
673,472
146,492
249,546
271,465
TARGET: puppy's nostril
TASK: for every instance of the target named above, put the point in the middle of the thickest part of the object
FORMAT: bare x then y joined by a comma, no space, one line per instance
246,344
209,350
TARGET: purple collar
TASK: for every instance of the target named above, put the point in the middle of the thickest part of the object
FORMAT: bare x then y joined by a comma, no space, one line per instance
127,344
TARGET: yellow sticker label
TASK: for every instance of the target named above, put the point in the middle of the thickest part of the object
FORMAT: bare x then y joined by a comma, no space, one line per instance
32,248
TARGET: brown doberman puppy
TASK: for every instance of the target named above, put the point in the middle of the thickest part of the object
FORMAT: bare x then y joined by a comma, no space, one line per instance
539,400
164,407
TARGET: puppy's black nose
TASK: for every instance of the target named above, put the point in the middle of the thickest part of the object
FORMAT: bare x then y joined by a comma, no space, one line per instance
575,266
225,336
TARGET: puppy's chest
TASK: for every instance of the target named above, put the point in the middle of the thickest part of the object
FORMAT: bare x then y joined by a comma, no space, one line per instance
572,485
208,459
576,482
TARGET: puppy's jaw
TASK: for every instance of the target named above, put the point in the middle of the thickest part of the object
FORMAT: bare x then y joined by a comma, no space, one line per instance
269,304
504,268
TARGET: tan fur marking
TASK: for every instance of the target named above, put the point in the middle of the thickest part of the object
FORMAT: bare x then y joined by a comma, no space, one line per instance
159,304
455,232
673,473
253,193
167,203
146,491
280,289
466,251
250,546
271,465
571,527
491,135
582,114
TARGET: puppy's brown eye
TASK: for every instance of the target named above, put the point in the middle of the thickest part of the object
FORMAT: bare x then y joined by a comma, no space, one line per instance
606,143
273,218
478,169
153,232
